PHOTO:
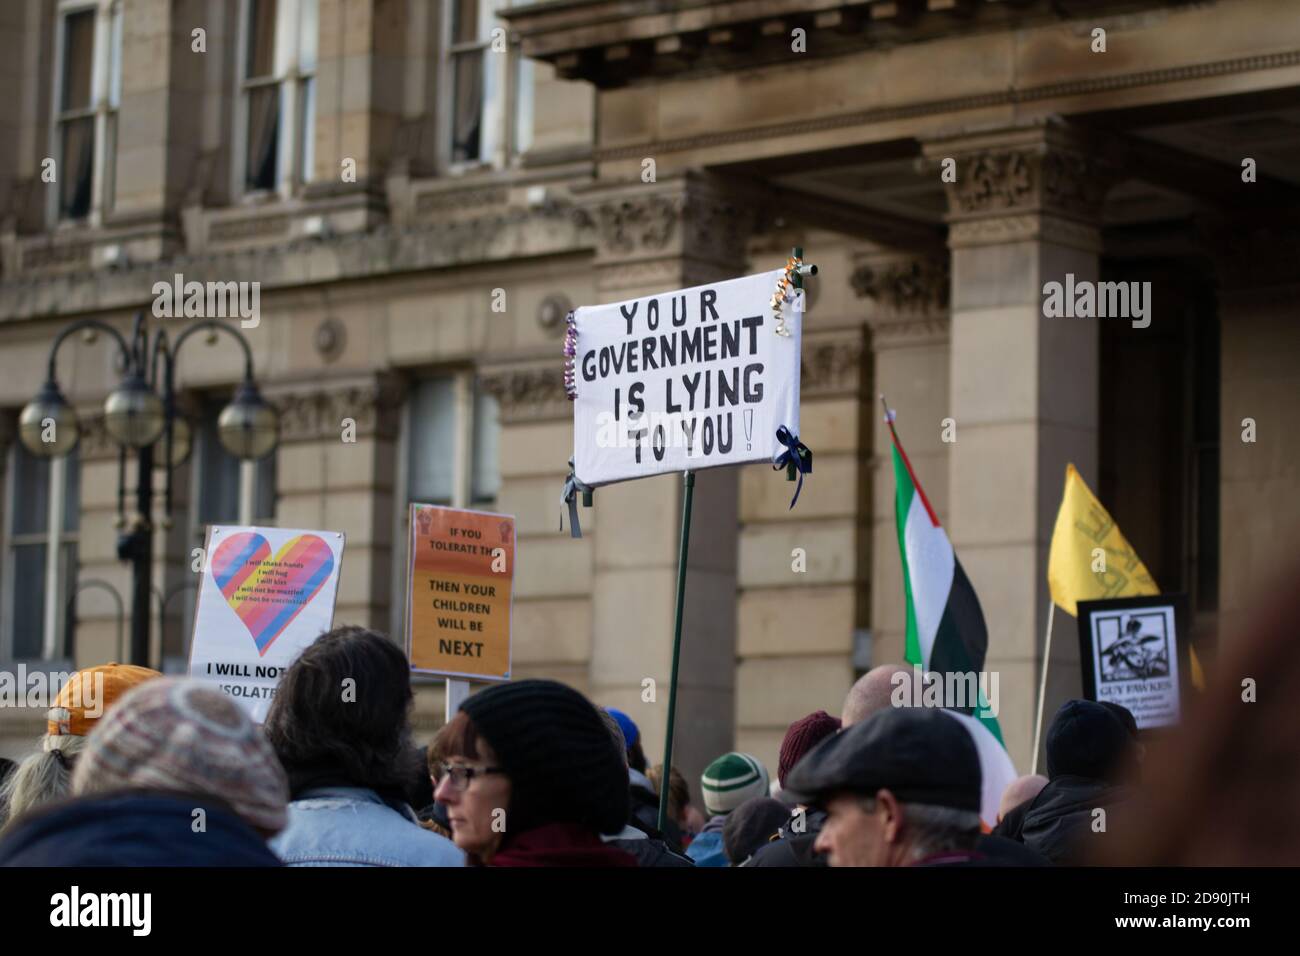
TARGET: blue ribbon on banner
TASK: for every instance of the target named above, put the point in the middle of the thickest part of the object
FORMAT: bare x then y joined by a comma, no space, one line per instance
797,457
572,486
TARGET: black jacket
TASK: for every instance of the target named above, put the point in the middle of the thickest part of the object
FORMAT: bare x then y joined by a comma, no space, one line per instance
645,817
134,829
1001,851
1058,823
791,848
651,852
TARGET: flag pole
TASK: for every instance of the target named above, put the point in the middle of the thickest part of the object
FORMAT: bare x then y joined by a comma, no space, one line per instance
688,493
1042,685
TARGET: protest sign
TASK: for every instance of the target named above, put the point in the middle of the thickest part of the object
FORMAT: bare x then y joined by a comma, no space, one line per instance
265,594
684,380
1134,652
460,589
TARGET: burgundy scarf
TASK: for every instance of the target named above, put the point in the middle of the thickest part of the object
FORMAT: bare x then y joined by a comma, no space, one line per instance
559,844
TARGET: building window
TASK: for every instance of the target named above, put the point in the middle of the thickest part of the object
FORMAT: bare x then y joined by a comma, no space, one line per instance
437,412
278,101
218,483
88,92
487,104
450,437
40,565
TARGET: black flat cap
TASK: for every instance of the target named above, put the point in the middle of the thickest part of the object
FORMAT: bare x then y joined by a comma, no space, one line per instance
918,754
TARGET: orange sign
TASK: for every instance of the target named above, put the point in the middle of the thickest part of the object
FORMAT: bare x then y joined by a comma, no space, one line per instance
460,592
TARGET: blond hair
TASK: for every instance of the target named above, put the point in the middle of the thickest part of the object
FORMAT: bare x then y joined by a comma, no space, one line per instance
42,777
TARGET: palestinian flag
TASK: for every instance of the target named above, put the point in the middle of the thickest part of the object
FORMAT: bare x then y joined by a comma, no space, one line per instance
945,626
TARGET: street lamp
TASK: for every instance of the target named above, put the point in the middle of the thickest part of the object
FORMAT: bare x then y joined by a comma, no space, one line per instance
133,414
248,427
136,417
48,425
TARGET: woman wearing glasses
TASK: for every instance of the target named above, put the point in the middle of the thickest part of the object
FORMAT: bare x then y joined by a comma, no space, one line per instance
532,777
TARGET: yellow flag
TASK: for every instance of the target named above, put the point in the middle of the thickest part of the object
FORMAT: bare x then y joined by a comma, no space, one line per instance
1091,559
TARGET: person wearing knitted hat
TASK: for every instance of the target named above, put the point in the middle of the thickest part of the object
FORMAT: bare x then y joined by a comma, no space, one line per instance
176,775
798,835
46,775
641,789
533,777
1091,751
340,724
726,783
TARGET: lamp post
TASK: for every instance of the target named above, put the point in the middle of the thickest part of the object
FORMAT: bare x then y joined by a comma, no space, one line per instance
136,418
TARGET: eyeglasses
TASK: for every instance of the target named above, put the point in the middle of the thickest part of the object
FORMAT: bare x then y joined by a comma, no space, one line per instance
460,774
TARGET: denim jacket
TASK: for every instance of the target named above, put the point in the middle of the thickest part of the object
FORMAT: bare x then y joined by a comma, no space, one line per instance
354,826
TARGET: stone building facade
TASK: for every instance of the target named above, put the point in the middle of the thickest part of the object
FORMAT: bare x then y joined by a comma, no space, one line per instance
423,189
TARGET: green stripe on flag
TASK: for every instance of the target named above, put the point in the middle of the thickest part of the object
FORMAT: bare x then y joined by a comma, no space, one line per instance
903,494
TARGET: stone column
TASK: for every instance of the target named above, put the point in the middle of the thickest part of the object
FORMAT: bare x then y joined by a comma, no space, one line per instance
906,295
325,481
1023,211
1259,514
656,237
553,579
98,530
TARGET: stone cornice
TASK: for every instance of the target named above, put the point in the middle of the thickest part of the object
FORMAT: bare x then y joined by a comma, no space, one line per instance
808,126
317,413
528,393
614,42
498,235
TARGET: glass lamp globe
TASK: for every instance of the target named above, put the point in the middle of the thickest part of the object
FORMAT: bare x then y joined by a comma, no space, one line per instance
248,427
48,425
133,415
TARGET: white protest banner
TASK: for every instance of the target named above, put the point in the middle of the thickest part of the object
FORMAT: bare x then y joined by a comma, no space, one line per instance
684,380
265,594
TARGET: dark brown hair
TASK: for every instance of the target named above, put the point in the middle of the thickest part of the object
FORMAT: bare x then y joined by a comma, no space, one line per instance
457,738
342,714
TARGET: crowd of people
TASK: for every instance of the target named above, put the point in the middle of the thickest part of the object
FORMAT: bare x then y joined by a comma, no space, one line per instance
169,771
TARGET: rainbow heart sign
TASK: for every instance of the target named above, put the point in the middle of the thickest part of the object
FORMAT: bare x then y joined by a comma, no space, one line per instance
265,595
268,592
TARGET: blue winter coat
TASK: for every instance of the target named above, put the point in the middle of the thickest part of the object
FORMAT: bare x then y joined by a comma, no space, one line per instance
707,849
134,829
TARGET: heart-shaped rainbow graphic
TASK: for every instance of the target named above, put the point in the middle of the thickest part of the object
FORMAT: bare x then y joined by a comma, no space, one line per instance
268,592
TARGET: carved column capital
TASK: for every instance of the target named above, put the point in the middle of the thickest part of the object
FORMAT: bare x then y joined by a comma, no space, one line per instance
682,230
1039,181
831,364
312,414
528,393
94,442
906,294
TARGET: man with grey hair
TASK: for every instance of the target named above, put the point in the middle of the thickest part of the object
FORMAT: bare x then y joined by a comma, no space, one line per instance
901,788
874,692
